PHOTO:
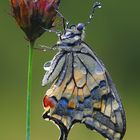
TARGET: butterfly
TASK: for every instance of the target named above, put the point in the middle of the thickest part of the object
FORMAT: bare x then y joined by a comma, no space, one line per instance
82,90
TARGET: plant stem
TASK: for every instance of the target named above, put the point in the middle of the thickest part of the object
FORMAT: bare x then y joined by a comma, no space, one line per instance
29,83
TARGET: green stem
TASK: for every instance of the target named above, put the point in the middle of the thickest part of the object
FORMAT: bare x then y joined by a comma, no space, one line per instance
29,83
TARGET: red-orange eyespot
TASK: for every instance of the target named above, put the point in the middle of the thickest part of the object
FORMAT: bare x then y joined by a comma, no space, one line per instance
48,102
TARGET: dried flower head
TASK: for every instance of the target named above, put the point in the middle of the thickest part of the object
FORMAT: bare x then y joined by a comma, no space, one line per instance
32,15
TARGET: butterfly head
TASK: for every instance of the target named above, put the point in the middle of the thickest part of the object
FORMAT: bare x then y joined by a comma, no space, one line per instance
72,35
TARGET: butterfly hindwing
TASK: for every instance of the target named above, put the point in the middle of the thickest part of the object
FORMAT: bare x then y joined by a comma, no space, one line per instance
82,91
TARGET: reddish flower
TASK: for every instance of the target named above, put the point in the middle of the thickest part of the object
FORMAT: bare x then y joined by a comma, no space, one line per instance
32,15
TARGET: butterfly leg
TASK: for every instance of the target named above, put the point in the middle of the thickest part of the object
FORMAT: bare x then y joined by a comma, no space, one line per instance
45,48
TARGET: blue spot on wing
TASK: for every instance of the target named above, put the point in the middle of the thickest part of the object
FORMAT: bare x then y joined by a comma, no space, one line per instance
88,103
102,83
95,93
80,107
70,111
61,108
63,103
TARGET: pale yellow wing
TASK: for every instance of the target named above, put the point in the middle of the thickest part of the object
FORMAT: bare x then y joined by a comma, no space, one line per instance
82,91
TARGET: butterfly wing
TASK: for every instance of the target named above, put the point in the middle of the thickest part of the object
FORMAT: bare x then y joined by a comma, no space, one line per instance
82,91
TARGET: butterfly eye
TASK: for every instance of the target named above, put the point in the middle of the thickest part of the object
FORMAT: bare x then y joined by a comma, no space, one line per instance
80,26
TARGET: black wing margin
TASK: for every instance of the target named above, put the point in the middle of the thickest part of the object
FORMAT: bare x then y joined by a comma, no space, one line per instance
108,116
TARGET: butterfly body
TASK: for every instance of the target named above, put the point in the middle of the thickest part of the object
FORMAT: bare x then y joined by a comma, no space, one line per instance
82,90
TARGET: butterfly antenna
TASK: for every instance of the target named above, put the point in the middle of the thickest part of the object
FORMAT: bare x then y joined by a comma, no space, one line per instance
65,21
96,5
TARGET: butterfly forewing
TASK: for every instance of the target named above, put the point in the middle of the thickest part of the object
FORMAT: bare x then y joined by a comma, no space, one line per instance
83,91
53,69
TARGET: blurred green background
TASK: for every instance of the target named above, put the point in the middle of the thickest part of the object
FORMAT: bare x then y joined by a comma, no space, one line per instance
114,35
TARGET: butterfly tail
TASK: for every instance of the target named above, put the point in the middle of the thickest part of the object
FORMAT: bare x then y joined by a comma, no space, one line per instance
63,135
63,130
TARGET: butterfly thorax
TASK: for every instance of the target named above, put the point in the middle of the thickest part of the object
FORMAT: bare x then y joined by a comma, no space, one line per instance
71,38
